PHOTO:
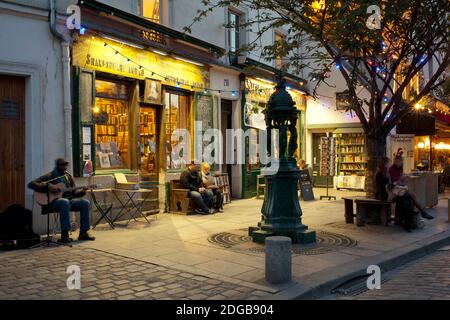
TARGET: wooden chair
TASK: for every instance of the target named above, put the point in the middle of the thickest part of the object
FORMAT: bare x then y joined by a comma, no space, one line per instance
179,200
260,185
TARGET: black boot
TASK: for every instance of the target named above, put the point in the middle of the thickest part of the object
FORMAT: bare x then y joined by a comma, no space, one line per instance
65,237
426,215
85,236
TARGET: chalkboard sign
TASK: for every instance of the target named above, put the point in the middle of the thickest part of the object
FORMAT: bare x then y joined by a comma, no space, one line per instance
306,186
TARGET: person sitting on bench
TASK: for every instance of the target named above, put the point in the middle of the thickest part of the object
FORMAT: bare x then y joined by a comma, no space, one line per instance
404,205
210,183
398,182
191,179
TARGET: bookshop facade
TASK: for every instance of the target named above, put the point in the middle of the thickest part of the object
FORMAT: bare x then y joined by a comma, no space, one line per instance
127,103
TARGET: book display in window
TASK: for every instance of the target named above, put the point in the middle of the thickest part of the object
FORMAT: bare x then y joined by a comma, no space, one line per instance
147,141
111,134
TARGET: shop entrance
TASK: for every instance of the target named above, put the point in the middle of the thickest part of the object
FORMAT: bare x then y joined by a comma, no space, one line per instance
12,140
226,123
148,142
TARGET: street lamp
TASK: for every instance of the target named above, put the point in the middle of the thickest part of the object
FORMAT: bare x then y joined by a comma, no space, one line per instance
281,212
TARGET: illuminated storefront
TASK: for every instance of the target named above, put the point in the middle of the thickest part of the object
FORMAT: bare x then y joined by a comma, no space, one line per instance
127,124
257,92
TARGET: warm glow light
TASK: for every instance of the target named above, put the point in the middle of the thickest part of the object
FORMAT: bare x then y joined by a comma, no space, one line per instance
442,146
427,142
417,106
96,109
318,5
421,145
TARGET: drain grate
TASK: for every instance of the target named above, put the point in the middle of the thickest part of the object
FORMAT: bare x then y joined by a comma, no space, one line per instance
355,286
326,242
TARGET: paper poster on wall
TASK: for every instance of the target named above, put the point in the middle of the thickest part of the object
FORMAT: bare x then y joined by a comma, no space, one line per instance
87,135
87,156
254,116
152,92
405,142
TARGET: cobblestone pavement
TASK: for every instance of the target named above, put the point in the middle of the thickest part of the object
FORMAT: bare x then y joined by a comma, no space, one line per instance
424,279
41,274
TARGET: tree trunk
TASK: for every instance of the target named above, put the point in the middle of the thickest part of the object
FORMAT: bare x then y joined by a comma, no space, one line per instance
376,150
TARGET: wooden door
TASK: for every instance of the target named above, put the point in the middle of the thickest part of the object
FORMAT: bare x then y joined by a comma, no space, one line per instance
12,141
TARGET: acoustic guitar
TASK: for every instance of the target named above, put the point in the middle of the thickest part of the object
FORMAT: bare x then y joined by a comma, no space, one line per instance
44,199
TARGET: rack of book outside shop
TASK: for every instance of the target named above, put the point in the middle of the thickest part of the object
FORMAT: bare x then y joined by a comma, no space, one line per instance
351,159
327,162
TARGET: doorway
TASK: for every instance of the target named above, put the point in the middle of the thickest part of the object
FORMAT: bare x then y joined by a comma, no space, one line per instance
226,123
12,141
148,142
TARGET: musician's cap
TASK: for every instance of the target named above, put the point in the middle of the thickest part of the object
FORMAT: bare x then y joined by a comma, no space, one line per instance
61,161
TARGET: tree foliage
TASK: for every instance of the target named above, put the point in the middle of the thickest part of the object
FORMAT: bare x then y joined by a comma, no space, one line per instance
413,36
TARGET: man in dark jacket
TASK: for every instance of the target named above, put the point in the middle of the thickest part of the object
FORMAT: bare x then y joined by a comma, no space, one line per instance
191,179
71,201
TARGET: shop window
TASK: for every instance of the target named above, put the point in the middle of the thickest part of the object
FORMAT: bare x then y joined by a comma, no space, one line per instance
150,10
111,125
177,117
234,31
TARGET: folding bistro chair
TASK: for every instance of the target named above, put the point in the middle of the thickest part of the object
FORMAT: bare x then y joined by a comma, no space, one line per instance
104,209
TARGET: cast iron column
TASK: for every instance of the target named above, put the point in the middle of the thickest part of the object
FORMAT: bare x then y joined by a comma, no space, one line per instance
281,212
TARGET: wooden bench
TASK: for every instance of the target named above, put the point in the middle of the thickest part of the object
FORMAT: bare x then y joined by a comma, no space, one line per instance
367,210
179,200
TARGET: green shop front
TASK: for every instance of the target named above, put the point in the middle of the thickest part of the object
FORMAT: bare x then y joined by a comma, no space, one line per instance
256,94
125,112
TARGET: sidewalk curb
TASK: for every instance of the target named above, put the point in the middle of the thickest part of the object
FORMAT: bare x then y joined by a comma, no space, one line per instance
321,283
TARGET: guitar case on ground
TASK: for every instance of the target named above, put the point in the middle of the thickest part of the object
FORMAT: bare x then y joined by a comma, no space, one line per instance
16,225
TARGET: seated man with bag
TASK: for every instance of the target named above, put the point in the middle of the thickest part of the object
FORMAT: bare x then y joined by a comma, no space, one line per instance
191,179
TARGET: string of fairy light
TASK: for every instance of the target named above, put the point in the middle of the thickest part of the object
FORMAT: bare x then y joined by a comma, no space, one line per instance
179,84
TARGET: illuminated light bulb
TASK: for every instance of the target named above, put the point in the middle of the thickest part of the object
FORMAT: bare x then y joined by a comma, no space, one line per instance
421,145
233,93
302,83
417,106
82,30
96,109
338,66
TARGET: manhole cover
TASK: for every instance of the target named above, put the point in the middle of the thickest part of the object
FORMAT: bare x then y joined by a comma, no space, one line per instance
228,240
326,242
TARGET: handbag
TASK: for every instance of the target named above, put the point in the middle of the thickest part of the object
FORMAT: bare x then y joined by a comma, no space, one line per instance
399,191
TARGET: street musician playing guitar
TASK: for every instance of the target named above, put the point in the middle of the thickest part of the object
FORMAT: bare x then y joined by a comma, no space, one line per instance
59,188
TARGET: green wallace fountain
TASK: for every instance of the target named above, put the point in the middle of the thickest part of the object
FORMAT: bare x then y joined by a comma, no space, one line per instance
281,212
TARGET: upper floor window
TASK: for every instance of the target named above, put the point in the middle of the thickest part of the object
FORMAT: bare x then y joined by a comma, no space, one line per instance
279,39
234,31
150,10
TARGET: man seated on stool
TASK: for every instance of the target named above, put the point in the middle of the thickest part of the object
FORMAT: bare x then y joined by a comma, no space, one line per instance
71,201
210,184
191,179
